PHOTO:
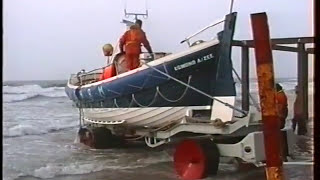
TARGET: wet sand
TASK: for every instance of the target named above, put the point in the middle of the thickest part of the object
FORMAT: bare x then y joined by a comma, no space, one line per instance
303,150
164,171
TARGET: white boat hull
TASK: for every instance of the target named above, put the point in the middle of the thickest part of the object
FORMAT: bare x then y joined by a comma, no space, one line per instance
145,117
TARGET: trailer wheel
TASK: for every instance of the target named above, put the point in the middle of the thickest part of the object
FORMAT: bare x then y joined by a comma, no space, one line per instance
99,138
196,160
102,138
213,156
86,136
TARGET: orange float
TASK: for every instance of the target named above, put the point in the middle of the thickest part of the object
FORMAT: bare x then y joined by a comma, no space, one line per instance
108,72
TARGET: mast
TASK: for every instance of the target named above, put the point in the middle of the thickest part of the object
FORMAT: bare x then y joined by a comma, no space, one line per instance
128,14
135,14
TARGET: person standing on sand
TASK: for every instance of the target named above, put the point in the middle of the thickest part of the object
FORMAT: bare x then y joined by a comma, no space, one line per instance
298,114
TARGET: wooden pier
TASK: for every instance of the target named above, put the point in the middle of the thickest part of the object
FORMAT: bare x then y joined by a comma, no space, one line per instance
277,44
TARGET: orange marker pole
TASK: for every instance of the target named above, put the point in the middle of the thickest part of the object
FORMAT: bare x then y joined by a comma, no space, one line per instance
271,124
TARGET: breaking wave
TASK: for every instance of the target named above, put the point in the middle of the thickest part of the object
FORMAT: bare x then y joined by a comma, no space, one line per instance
21,93
32,129
37,128
288,86
52,170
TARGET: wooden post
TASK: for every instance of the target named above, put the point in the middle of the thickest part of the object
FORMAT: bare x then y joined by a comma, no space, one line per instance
303,83
271,124
245,77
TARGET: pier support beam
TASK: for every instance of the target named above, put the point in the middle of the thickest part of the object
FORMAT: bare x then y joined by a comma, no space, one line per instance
271,124
245,77
303,84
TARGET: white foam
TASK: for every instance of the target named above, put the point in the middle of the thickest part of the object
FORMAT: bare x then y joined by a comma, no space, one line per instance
94,165
21,89
20,93
287,86
37,128
17,97
160,158
52,170
23,129
12,176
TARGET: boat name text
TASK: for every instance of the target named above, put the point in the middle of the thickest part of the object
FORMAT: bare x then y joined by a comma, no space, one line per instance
193,62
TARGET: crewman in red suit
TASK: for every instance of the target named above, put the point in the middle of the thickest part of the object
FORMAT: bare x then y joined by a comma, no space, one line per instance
130,44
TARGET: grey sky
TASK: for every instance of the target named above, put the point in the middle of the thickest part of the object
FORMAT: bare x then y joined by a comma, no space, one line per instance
50,39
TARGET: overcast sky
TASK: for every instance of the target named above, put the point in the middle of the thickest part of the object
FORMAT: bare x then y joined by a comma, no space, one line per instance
50,39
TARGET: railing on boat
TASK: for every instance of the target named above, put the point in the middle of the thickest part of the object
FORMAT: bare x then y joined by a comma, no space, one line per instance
200,31
84,77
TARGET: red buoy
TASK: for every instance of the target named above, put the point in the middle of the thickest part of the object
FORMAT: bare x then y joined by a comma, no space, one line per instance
190,160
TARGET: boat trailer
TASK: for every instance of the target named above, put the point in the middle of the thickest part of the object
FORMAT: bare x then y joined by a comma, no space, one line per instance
205,140
200,142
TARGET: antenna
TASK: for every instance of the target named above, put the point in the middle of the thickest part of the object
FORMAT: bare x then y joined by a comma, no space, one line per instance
144,15
231,6
128,14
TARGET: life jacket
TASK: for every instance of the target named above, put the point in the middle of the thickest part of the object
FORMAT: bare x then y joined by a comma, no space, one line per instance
282,103
132,40
108,72
281,98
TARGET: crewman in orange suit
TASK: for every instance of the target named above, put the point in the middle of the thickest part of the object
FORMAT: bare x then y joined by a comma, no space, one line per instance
282,108
130,44
282,105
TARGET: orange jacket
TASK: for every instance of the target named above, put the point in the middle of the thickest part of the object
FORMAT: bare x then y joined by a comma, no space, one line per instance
282,103
108,72
132,40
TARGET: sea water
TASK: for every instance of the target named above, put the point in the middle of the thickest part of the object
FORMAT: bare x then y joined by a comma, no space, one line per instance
40,127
